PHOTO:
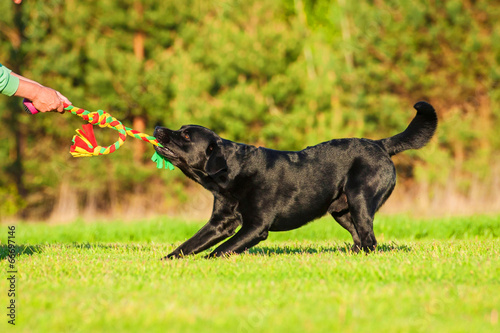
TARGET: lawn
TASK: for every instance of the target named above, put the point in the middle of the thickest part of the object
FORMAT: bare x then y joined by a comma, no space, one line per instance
428,275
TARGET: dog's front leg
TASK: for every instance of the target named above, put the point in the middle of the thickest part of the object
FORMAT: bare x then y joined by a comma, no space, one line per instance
244,239
212,233
222,224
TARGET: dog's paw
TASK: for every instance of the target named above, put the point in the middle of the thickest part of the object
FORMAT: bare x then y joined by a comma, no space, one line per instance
367,248
219,254
370,248
172,256
369,243
355,248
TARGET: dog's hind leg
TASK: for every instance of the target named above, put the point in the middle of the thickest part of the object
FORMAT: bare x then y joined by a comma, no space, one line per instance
367,188
363,203
345,220
339,209
361,220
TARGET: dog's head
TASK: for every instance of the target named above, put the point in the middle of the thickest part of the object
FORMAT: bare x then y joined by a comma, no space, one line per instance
196,150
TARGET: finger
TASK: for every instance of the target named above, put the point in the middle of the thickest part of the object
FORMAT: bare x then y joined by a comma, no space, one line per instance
60,107
40,106
63,98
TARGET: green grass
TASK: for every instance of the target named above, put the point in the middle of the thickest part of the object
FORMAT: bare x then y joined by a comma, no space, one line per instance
439,275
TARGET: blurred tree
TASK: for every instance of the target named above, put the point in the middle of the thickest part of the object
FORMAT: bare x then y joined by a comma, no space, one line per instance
285,74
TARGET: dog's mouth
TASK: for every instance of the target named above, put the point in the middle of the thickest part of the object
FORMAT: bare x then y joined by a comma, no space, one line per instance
165,151
163,138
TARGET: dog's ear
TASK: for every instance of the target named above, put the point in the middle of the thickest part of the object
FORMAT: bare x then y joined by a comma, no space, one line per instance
216,166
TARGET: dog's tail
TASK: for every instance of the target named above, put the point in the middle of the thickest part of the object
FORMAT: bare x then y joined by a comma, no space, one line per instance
417,134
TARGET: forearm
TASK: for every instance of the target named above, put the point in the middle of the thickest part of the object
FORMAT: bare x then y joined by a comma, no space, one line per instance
20,77
44,98
12,84
27,88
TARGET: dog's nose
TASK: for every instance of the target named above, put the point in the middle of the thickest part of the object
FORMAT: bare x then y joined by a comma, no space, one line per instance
161,134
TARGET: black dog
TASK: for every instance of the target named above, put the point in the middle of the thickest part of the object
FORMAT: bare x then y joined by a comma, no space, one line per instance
265,190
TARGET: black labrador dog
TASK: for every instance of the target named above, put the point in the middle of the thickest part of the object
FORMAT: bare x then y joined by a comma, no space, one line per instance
265,190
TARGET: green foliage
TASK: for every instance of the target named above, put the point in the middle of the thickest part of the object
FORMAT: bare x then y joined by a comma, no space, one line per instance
285,74
10,201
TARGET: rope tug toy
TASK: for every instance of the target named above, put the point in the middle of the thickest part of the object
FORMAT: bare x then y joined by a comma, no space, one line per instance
85,144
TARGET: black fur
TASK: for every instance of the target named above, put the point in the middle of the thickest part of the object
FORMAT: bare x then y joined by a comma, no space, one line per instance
265,190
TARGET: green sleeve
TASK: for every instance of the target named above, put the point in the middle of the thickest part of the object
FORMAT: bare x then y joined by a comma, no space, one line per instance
8,83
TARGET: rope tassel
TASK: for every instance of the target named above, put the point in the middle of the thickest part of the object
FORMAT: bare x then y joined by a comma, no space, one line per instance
84,142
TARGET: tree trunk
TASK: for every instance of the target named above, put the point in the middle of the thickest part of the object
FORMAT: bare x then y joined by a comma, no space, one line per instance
139,122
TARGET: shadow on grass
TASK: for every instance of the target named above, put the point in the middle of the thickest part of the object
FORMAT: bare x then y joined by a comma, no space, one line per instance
345,248
112,246
393,247
259,250
39,248
20,250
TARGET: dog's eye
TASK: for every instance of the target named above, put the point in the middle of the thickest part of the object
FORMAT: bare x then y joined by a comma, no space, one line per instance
210,149
185,135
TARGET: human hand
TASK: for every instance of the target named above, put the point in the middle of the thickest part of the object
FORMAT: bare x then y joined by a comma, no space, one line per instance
44,99
47,99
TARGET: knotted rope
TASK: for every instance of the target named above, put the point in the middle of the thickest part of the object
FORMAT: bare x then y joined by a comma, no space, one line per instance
85,144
